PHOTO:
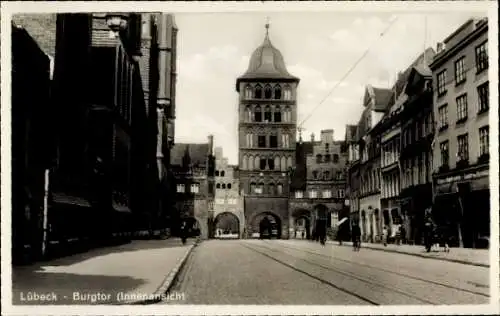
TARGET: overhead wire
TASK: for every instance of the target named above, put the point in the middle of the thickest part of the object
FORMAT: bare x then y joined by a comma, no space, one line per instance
299,126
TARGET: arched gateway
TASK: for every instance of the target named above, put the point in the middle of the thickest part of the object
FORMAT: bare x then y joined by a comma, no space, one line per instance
227,226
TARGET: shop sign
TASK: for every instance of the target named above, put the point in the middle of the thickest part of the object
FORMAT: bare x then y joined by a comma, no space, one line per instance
469,176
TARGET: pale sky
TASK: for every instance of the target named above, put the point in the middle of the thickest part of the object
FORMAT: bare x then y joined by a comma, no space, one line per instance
319,48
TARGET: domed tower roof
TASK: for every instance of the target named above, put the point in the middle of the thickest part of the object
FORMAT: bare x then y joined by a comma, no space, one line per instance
266,62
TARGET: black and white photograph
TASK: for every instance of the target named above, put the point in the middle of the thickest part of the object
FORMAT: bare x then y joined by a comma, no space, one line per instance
262,158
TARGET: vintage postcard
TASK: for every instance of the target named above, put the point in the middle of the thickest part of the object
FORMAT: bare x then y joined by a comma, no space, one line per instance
256,158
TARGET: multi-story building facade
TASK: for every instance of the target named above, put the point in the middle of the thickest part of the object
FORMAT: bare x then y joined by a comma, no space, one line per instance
375,101
104,147
461,141
322,201
353,189
228,208
193,168
392,126
415,160
267,132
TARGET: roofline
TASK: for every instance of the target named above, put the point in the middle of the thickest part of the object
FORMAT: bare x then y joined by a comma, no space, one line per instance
442,57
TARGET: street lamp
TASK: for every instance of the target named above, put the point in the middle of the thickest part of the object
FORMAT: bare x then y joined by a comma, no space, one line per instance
117,22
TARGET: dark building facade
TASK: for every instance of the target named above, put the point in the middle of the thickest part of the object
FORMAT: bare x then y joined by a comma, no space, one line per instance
107,152
30,104
267,132
461,187
193,170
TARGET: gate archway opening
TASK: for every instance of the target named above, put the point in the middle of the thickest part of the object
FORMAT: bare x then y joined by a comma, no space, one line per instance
302,224
322,223
227,226
268,226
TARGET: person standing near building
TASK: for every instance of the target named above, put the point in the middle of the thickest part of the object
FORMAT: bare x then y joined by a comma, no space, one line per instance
356,237
385,233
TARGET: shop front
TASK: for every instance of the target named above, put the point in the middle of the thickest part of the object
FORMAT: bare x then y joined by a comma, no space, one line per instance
462,207
413,202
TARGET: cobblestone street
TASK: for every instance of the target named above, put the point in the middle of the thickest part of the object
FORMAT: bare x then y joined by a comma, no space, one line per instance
301,272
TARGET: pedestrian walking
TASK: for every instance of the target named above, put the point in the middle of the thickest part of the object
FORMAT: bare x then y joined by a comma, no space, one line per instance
356,237
183,232
385,233
303,234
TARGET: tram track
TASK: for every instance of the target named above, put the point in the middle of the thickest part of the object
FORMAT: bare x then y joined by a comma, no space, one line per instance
387,271
344,275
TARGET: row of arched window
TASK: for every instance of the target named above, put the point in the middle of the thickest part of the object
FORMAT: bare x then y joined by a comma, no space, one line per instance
274,114
266,163
223,186
267,141
327,158
268,92
269,188
221,173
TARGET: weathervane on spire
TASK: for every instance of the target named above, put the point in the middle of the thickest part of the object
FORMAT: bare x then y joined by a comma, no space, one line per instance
267,26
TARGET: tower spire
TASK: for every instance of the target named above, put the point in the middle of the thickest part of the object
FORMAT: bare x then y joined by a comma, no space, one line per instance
267,27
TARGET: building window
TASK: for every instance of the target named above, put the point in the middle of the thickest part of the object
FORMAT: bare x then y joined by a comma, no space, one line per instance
287,93
313,194
267,114
341,193
327,194
441,83
315,174
222,173
195,188
229,185
327,147
460,71
299,194
217,186
339,175
483,92
445,153
482,57
463,147
180,188
328,158
288,114
248,92
462,108
216,173
261,141
252,187
223,186
318,158
277,114
273,141
285,140
277,92
335,158
279,189
262,164
326,175
484,140
258,92
443,117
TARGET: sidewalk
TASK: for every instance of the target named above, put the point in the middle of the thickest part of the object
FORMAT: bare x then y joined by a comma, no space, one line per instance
476,257
126,274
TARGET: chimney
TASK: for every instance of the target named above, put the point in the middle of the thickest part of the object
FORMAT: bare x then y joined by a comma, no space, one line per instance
327,136
312,137
210,145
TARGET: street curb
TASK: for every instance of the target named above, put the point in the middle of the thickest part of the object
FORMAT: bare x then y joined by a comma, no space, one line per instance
169,280
477,264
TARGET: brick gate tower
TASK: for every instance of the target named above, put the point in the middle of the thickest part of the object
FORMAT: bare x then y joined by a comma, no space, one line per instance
267,137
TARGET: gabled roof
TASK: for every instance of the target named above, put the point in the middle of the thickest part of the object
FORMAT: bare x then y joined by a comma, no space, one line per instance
197,154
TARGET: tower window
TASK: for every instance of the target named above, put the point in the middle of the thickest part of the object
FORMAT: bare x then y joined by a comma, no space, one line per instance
328,158
229,185
223,185
258,92
262,164
268,114
273,141
262,141
287,93
277,92
260,188
216,173
258,114
217,186
248,114
277,114
222,173
268,92
248,92
270,164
